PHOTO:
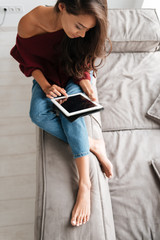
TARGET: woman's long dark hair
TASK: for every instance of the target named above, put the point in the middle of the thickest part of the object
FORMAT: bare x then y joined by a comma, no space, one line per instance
79,54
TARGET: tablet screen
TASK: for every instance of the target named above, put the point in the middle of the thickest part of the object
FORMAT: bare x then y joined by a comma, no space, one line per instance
76,103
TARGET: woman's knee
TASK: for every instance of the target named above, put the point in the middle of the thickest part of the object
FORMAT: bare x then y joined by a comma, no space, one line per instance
40,108
34,116
38,112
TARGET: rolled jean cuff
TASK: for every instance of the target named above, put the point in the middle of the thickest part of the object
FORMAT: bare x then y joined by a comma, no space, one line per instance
80,155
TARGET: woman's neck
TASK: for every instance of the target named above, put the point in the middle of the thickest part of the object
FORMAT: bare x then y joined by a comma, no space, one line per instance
53,20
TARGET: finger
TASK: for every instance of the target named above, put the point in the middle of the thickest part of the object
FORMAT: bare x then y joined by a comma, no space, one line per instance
53,90
89,92
57,92
59,89
61,101
49,96
65,99
63,91
92,97
53,94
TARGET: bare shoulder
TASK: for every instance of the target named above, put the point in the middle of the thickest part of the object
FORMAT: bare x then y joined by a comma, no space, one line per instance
30,24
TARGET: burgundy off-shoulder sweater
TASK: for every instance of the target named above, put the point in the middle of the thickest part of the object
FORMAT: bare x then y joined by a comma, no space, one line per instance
42,52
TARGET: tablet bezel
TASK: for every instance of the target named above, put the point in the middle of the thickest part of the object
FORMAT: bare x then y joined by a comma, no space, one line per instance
96,107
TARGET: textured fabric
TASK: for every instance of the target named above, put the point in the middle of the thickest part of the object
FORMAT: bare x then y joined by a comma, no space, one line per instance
133,30
154,110
43,52
127,86
135,188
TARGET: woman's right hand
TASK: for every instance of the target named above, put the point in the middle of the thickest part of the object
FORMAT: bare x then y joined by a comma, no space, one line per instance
54,91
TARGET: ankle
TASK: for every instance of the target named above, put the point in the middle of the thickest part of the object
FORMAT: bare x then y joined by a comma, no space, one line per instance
85,184
92,144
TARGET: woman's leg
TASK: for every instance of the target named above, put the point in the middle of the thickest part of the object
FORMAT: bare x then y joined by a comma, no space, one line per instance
78,128
97,146
77,136
43,115
76,131
81,210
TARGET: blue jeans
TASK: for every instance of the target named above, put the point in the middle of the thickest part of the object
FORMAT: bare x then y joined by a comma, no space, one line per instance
42,114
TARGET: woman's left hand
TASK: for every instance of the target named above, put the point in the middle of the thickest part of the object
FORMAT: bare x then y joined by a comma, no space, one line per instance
86,86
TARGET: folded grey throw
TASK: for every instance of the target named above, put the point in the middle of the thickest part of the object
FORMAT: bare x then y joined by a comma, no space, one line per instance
154,110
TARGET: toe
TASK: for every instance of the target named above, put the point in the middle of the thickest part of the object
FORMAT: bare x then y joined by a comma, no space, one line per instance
87,218
73,221
84,220
111,175
79,220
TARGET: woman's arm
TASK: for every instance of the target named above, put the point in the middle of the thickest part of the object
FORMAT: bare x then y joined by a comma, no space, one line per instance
86,86
50,90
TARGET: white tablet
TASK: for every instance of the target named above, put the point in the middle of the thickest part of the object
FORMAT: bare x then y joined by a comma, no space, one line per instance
76,104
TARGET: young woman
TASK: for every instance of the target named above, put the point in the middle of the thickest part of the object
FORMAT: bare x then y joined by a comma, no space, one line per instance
58,46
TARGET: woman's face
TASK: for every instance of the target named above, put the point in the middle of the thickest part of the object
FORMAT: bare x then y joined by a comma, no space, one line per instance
76,26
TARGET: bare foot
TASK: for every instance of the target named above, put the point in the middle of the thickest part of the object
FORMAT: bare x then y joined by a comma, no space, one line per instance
98,148
81,210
